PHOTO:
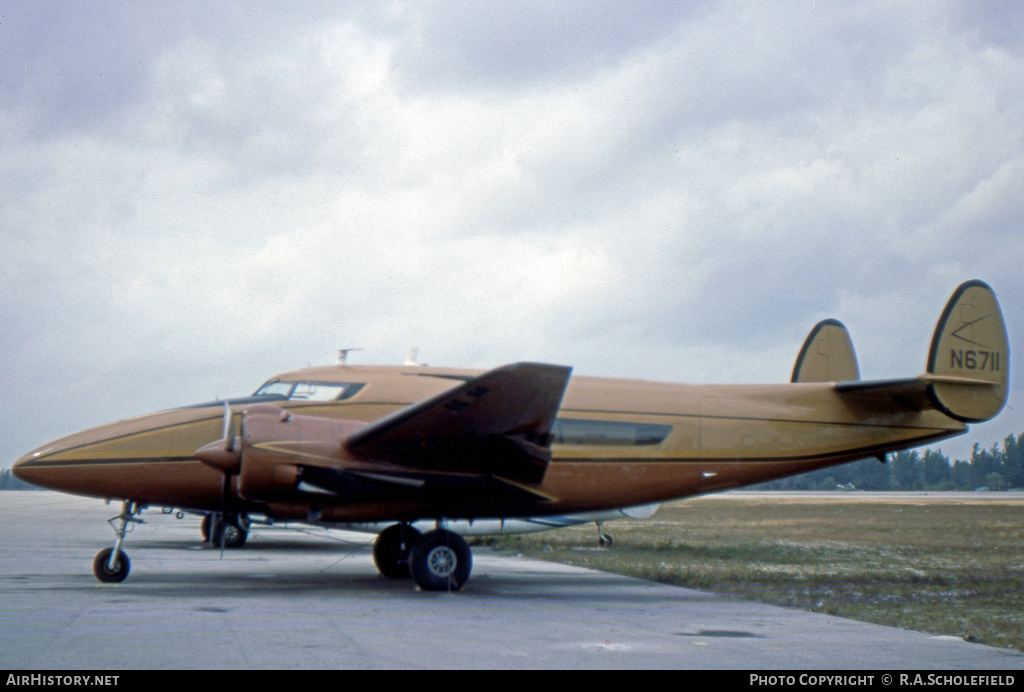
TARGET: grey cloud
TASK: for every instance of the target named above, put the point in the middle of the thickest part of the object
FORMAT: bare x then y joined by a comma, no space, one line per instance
511,44
674,194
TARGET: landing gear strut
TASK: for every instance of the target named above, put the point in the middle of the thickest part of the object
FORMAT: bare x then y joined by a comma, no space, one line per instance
111,565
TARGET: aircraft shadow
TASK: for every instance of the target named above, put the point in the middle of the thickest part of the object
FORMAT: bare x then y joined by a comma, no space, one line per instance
257,546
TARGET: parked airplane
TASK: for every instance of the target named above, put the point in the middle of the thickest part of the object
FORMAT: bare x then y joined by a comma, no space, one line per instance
346,444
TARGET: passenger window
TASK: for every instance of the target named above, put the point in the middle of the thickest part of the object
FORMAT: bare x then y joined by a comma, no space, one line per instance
575,431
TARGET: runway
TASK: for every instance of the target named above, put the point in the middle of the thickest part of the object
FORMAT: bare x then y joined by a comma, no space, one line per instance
314,600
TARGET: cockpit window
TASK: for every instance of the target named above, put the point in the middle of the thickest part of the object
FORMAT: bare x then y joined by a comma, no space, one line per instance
275,389
309,391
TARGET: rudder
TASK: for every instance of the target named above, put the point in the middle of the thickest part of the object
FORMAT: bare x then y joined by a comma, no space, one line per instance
969,360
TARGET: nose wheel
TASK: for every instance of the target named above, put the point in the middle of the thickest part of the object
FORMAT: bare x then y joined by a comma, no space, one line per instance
110,566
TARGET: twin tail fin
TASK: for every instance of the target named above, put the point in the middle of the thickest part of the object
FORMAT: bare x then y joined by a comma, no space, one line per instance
967,373
827,355
968,369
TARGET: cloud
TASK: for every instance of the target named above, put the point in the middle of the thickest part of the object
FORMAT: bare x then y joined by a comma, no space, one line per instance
196,198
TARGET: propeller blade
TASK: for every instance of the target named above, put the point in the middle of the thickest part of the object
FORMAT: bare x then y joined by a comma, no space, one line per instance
225,493
229,439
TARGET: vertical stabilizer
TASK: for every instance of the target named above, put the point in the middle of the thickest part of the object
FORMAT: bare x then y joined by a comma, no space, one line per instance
827,355
969,360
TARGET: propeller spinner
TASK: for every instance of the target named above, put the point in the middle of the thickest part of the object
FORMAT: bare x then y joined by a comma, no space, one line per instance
225,454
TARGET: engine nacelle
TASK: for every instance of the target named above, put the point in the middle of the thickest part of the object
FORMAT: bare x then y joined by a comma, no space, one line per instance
266,476
276,443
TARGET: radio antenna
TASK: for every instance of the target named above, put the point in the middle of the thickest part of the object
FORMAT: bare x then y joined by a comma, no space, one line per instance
343,355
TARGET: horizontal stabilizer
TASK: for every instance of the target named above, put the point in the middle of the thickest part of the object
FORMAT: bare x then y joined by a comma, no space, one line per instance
900,395
497,424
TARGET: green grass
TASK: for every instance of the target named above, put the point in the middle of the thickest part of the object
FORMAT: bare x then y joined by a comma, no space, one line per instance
945,564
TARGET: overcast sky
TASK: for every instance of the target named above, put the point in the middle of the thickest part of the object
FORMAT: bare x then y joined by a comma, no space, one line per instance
195,196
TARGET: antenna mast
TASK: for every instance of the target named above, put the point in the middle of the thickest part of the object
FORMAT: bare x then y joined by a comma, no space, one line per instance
343,355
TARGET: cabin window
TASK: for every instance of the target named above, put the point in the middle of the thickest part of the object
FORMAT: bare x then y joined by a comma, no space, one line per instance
309,391
574,431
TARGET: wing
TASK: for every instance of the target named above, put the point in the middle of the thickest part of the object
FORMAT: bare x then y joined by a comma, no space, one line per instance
497,424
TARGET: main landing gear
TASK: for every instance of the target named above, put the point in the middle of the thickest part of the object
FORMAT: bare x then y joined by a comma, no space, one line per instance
111,565
438,560
231,530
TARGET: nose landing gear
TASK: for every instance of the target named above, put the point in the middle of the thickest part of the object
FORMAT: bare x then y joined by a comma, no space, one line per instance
111,565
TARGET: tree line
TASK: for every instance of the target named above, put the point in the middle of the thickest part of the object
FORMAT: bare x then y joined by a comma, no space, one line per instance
9,482
997,468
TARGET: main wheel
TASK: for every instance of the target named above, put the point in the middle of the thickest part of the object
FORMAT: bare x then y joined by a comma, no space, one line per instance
234,532
440,561
391,550
101,566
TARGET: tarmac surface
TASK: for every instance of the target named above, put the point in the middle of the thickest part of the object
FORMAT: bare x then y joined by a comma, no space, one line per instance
306,598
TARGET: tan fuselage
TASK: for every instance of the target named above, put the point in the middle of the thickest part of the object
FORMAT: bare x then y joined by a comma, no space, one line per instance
720,436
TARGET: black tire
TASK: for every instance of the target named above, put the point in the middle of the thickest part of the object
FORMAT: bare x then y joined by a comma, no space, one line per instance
101,566
234,532
440,561
391,550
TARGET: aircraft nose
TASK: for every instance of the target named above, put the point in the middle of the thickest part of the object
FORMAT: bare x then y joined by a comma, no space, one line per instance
65,465
83,459
29,467
117,459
